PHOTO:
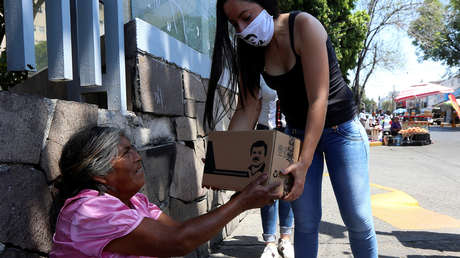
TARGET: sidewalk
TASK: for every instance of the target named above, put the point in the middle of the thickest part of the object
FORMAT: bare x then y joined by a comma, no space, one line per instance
246,241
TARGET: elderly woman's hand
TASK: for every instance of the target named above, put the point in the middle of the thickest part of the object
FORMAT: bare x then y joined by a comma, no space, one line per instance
257,195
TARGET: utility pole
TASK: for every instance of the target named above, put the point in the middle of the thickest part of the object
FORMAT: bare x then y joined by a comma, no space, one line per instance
393,96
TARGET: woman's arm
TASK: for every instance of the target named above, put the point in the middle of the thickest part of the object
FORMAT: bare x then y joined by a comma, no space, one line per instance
245,118
166,237
310,43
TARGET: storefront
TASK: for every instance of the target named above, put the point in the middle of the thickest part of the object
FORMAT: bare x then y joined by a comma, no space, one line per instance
449,112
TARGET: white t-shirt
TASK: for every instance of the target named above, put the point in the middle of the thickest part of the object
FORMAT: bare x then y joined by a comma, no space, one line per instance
385,123
268,97
362,116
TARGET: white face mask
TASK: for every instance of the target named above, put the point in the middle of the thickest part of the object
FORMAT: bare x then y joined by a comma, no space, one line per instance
260,31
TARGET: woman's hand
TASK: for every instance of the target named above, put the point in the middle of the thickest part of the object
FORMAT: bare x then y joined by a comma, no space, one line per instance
299,172
256,195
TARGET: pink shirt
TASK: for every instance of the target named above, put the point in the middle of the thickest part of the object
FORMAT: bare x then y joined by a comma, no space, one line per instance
88,222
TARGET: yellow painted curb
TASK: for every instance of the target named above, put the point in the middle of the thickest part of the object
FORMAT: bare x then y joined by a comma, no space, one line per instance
404,212
372,144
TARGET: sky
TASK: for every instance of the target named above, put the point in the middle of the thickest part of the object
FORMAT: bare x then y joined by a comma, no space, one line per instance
411,72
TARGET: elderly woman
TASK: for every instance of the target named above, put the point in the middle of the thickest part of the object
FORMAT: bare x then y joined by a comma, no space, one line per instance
104,215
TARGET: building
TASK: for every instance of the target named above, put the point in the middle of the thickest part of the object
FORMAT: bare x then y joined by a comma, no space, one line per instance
141,65
443,101
428,103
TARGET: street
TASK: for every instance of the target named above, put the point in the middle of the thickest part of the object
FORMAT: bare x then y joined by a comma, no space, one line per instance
415,203
429,179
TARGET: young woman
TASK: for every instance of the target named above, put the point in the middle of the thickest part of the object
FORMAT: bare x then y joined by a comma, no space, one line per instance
104,215
293,53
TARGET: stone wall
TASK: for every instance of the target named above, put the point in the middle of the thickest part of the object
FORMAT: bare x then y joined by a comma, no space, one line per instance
166,127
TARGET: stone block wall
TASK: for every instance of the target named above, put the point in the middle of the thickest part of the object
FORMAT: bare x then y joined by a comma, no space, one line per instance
165,125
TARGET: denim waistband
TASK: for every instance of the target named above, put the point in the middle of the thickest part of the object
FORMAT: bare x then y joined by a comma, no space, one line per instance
298,131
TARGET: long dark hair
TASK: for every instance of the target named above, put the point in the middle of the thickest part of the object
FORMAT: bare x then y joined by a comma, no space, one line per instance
241,59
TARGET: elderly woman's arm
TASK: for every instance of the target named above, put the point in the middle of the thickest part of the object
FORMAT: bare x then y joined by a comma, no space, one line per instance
166,237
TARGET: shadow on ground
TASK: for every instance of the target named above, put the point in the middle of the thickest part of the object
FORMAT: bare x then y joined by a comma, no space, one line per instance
333,230
443,242
241,247
444,129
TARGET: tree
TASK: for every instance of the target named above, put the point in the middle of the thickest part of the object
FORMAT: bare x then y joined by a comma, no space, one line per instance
387,105
369,104
41,55
346,29
436,32
383,14
9,79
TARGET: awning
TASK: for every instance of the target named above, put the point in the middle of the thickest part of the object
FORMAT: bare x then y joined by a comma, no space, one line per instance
448,102
422,90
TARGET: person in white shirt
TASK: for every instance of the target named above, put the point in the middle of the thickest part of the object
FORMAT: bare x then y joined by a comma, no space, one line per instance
362,117
386,126
385,123
267,116
268,121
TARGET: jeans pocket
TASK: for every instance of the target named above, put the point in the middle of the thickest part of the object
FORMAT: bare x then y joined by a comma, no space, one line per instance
350,130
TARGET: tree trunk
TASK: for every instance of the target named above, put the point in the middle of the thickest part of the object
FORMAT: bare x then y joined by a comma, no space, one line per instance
37,5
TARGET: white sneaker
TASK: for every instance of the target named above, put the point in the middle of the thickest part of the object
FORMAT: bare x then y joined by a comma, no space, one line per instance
286,248
270,251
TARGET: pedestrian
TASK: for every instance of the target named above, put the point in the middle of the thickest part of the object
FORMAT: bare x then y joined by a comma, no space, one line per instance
381,116
395,126
296,58
374,119
101,213
386,126
363,117
269,214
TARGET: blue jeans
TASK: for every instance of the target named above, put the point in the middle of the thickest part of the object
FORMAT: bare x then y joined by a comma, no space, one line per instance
397,139
269,216
346,151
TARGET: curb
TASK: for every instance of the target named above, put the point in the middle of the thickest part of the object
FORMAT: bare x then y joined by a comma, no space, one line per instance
373,144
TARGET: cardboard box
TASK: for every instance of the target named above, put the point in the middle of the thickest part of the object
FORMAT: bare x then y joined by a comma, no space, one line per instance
235,158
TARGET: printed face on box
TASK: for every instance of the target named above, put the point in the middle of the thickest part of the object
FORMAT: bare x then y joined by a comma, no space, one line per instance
258,156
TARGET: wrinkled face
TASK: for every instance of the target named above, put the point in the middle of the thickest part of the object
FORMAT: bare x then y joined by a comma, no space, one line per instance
241,13
127,176
258,155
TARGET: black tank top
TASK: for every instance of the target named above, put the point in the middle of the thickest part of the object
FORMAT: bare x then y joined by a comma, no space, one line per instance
293,96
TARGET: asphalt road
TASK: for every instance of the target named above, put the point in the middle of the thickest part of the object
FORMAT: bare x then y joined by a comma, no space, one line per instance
415,202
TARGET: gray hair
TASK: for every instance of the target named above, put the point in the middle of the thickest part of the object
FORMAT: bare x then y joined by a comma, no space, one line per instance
88,153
